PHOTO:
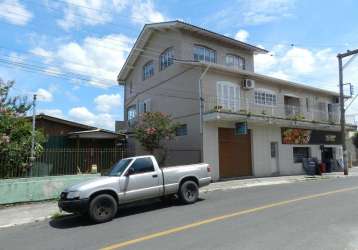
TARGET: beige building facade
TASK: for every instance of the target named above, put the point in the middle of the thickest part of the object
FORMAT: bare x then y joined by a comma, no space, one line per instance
240,122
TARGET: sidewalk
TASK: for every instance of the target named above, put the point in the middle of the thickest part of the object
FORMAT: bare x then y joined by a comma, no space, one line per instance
33,212
25,213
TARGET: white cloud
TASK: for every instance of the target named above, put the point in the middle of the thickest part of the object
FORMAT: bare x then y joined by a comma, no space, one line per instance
100,59
52,112
97,12
242,35
44,95
107,103
14,12
89,12
265,11
143,11
251,12
83,115
45,54
314,67
301,60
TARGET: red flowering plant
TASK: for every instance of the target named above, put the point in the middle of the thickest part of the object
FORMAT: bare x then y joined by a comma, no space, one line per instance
153,130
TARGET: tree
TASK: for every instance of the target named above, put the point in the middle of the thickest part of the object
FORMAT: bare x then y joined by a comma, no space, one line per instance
17,105
15,133
153,130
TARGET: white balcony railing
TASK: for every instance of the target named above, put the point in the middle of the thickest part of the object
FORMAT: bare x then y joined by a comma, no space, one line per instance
280,110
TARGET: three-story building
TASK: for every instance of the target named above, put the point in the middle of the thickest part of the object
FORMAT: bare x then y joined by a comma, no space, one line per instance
240,122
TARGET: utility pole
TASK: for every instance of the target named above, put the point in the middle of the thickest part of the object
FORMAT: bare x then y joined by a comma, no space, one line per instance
32,157
341,101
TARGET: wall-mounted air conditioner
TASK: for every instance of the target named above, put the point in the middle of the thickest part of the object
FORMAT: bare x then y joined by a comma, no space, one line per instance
248,84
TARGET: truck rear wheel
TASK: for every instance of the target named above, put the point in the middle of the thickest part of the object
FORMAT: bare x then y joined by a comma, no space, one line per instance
189,192
102,208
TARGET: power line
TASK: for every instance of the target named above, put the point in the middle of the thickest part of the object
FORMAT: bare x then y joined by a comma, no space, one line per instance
36,70
44,68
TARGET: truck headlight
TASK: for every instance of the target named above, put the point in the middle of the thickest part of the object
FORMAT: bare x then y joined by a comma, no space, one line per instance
73,195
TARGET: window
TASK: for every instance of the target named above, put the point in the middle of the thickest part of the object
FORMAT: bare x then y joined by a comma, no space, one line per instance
228,95
148,70
181,130
265,97
144,106
307,104
119,167
235,61
166,58
205,54
131,112
300,153
143,165
130,87
273,146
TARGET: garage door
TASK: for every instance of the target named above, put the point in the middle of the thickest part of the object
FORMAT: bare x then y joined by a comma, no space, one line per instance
234,153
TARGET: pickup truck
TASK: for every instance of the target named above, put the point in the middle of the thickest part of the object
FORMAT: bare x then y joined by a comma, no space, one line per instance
130,180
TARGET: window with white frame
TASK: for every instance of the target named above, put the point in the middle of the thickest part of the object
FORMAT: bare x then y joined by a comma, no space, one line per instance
235,61
202,53
144,106
148,70
265,97
166,58
228,95
130,87
131,112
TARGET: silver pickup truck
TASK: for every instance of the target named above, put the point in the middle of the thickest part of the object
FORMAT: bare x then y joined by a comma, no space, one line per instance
133,179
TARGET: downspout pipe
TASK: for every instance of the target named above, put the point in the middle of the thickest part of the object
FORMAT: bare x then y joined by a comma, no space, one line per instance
201,109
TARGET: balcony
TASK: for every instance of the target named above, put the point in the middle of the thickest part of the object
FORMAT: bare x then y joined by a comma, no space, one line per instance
248,109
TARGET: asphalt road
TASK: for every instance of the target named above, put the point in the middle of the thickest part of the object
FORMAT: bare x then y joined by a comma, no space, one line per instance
310,215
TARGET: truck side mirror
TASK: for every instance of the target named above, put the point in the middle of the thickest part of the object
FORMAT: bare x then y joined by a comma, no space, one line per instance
130,171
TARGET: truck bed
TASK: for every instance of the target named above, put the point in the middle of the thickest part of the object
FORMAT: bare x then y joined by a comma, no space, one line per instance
172,176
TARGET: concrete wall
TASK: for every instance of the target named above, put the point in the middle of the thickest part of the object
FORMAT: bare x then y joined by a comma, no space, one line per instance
37,188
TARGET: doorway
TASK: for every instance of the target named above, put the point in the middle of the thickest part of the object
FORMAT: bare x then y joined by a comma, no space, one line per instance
275,170
234,154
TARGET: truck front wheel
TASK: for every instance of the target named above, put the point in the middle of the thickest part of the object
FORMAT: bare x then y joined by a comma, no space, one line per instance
189,192
102,208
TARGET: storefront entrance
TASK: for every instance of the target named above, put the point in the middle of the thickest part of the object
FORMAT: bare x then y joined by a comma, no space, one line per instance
328,158
234,153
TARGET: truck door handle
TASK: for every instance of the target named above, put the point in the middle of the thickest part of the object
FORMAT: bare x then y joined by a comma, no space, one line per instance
154,175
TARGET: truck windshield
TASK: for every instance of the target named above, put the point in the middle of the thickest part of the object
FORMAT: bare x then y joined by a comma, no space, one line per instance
119,167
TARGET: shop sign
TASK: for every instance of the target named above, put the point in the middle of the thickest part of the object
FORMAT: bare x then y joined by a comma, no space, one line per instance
308,136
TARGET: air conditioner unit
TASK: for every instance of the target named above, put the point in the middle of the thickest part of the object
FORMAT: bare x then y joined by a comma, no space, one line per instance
248,84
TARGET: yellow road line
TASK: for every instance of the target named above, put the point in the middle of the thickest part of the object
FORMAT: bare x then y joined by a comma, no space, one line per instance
222,217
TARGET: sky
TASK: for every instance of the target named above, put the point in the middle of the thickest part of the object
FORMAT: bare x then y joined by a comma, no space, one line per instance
69,52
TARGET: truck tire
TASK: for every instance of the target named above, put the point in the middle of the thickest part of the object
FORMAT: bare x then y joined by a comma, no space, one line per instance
189,192
102,208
